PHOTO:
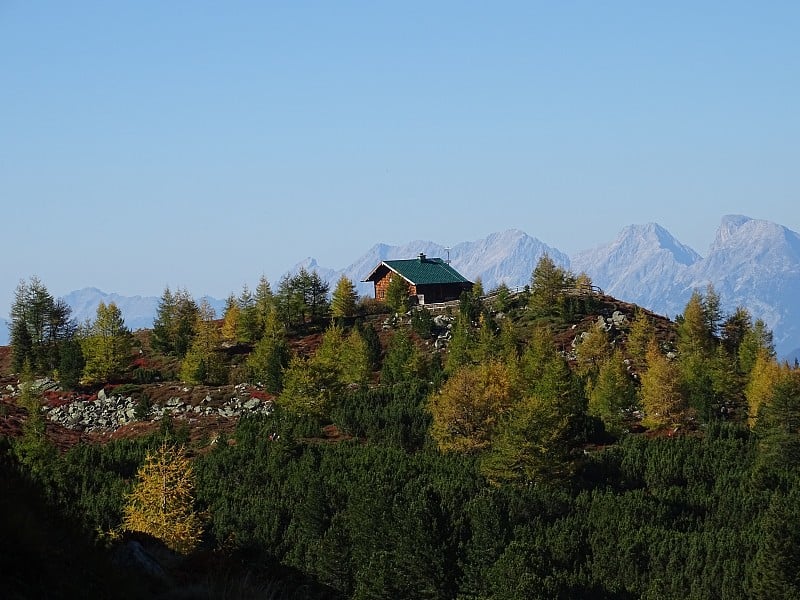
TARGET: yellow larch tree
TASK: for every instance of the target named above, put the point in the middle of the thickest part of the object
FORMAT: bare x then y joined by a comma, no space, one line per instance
162,501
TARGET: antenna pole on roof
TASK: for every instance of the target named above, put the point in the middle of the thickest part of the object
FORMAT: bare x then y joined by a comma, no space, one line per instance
448,255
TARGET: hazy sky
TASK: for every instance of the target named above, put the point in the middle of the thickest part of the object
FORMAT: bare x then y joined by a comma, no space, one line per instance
201,144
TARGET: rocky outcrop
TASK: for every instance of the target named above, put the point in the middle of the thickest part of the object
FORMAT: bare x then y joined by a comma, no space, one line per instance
110,412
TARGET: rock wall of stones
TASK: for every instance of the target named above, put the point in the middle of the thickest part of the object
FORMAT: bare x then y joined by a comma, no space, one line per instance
110,412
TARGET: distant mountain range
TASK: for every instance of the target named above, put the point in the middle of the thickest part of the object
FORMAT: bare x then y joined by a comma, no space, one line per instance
751,263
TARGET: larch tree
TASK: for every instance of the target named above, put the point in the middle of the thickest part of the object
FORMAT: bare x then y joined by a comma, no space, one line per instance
612,393
247,329
535,440
161,503
661,395
265,303
694,332
469,407
202,364
461,345
230,319
778,429
308,387
539,350
641,334
760,388
696,348
397,294
344,299
106,345
270,355
592,351
403,361
755,341
548,282
355,359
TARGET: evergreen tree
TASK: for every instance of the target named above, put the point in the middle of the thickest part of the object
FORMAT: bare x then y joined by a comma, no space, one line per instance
502,298
712,309
71,364
302,298
39,325
173,327
33,450
106,345
776,574
21,345
373,343
734,329
290,302
162,338
162,501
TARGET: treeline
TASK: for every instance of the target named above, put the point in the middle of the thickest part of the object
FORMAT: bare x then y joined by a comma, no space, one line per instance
506,466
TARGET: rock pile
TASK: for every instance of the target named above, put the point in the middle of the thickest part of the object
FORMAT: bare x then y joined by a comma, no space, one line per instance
109,413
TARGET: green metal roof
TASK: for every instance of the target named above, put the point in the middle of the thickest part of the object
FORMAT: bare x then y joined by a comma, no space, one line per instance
426,271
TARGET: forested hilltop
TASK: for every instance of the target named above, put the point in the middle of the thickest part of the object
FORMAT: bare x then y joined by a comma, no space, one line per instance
546,443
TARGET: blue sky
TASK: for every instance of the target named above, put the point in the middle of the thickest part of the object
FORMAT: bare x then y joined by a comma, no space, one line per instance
201,144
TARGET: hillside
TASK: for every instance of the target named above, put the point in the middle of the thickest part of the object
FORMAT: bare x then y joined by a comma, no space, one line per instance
474,453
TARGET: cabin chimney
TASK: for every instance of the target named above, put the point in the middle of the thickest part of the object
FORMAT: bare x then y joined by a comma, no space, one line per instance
421,257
